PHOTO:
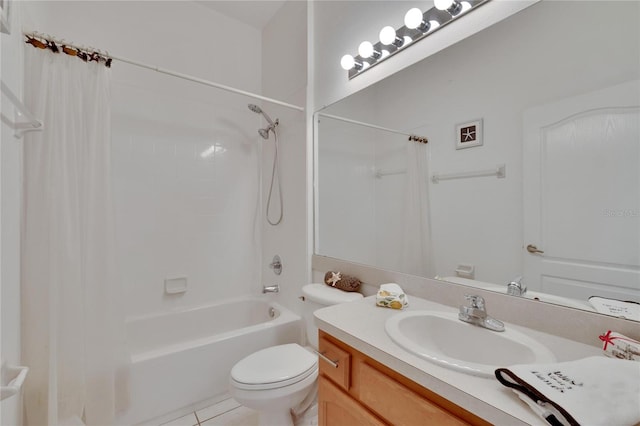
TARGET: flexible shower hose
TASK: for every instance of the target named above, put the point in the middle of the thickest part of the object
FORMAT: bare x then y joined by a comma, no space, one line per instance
275,175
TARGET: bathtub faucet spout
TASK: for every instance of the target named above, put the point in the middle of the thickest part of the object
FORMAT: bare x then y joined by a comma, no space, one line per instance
271,288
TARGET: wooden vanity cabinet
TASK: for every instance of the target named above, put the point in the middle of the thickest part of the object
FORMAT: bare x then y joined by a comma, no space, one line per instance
361,391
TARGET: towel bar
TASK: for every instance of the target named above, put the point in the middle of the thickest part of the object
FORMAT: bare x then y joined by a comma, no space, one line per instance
500,172
32,124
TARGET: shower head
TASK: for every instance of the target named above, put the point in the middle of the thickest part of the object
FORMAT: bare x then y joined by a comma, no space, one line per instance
258,110
264,133
255,108
272,125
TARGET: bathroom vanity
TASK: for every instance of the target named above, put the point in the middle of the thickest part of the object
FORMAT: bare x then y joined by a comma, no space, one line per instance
359,390
366,378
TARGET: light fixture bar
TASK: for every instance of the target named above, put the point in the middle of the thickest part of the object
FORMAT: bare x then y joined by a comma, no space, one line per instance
432,20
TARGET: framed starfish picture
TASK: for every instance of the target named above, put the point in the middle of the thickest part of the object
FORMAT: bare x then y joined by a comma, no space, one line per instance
469,134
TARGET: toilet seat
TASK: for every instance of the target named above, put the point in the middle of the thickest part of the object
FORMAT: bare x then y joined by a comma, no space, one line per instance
274,367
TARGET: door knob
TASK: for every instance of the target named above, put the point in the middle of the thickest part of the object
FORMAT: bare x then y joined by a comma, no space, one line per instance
533,249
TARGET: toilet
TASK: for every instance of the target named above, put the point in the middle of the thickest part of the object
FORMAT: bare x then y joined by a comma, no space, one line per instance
276,380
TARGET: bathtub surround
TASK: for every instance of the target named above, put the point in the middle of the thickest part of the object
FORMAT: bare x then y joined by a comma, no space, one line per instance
284,75
73,341
180,213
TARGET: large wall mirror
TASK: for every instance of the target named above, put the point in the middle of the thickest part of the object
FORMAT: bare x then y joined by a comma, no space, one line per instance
532,168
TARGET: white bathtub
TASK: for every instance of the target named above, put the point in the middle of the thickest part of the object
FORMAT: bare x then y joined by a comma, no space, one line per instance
181,358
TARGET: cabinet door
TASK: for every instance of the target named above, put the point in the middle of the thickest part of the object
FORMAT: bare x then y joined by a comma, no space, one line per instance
337,408
398,404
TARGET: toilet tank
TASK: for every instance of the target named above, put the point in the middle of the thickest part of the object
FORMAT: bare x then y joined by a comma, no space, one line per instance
317,296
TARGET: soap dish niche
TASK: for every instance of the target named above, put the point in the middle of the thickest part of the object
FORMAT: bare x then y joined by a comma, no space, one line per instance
177,285
466,271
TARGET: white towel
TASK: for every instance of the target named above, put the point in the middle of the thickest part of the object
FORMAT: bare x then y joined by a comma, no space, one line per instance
617,308
391,296
618,345
591,391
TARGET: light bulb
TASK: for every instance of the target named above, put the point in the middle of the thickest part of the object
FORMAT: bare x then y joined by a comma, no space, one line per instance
413,18
451,6
347,62
365,49
443,4
387,35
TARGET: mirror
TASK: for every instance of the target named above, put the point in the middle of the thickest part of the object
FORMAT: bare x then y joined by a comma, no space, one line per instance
533,142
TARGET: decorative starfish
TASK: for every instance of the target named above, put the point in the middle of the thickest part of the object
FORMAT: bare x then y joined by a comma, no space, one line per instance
335,277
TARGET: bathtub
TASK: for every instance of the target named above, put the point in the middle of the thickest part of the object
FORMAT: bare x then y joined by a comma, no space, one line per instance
181,358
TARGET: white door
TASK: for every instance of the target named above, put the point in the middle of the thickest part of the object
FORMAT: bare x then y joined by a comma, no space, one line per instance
582,195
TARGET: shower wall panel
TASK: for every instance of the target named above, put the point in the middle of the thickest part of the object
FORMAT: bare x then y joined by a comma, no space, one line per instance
185,156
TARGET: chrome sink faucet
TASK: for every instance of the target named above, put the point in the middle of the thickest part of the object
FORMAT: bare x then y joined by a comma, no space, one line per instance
516,288
476,314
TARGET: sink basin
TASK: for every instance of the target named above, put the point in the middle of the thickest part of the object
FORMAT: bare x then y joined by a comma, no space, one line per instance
440,337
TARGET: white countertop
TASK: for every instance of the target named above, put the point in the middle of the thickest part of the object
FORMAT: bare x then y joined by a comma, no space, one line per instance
361,325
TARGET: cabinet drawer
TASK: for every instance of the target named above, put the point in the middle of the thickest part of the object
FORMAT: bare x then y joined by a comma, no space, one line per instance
340,373
398,404
336,408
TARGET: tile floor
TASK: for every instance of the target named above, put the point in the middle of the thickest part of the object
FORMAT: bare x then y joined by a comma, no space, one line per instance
230,413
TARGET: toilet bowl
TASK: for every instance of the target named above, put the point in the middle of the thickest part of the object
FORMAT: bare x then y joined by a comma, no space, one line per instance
276,380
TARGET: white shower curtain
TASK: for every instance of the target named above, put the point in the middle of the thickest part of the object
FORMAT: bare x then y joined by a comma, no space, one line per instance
73,337
416,255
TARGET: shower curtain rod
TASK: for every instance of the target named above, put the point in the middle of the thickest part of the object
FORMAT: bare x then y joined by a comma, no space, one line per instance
167,71
412,137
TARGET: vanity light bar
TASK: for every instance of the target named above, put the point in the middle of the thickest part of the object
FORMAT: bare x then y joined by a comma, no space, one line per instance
417,26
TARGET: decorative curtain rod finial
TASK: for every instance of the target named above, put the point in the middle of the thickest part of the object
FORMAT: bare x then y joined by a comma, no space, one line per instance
45,41
419,139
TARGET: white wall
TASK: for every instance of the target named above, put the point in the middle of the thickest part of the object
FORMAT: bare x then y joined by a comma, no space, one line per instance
10,187
284,77
178,214
496,75
10,208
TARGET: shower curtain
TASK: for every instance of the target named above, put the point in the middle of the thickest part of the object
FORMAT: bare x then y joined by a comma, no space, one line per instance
73,332
416,255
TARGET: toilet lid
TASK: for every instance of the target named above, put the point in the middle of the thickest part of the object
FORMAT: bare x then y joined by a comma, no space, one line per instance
274,367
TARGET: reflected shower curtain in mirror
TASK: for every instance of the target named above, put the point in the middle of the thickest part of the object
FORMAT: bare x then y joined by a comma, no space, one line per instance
416,255
73,332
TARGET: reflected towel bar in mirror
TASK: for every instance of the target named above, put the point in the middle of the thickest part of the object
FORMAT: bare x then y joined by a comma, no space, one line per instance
499,172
